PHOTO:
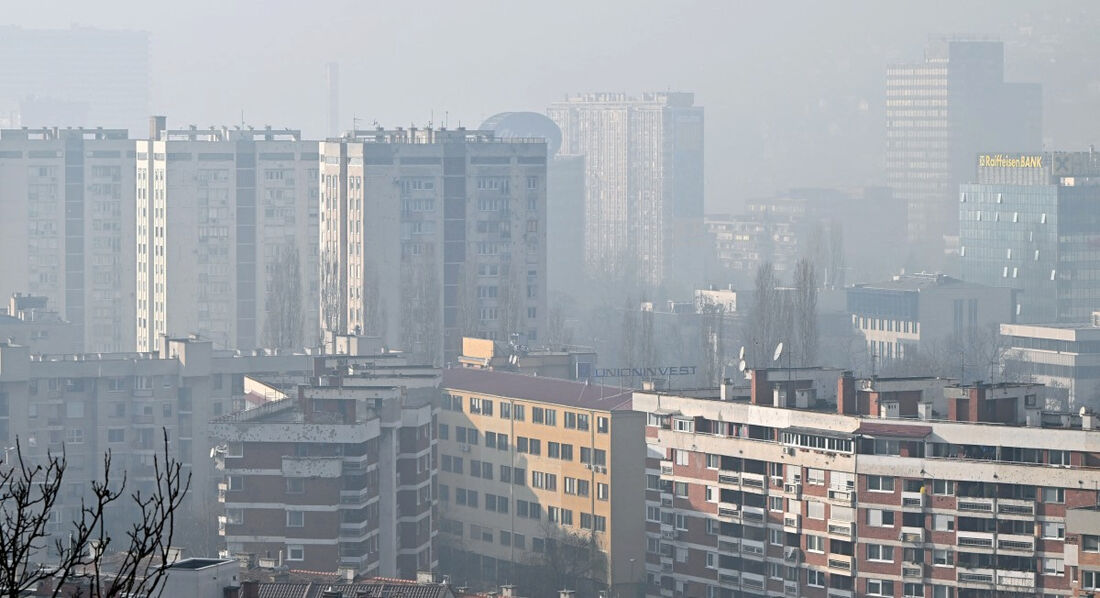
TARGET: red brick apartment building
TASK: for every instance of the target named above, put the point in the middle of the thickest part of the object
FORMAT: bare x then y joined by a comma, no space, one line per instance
337,472
811,483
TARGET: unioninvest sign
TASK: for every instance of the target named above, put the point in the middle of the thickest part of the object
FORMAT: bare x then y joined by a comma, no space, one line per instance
672,370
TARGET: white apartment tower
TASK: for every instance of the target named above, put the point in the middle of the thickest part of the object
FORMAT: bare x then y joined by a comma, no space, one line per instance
226,237
643,183
429,235
68,228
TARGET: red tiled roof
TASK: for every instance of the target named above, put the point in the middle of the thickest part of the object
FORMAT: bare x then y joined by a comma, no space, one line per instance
893,430
568,393
368,589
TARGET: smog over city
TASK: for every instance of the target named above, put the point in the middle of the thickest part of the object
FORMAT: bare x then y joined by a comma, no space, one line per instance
491,299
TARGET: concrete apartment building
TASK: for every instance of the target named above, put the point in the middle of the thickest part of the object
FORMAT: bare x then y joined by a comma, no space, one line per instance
811,483
914,312
431,234
88,403
643,161
1029,222
531,468
30,322
68,227
226,237
75,77
337,472
940,113
1064,357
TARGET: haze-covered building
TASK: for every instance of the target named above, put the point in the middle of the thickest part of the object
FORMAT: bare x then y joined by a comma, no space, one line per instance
1030,222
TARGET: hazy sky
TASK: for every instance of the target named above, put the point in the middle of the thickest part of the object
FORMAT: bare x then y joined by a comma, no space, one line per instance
792,90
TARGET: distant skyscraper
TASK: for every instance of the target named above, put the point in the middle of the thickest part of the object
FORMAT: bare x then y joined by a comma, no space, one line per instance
67,232
939,114
431,235
227,237
1031,222
643,183
74,77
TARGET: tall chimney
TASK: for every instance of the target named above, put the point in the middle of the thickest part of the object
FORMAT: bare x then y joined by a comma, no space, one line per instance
759,391
846,394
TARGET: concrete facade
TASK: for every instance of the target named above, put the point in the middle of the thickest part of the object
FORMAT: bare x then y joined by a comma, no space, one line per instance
226,233
1064,357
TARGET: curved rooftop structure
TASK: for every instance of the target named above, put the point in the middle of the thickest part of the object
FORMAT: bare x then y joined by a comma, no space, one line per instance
525,124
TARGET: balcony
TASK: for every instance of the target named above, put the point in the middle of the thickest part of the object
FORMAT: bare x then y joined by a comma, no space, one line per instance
752,547
1016,579
840,528
974,540
751,581
913,500
845,497
912,570
729,546
752,513
790,588
729,479
792,522
976,505
752,480
974,575
1018,543
1011,506
912,535
728,512
223,487
834,593
666,467
792,554
840,563
731,579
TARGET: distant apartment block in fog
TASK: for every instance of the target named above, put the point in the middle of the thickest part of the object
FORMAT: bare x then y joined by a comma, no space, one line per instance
431,234
73,77
1064,357
565,195
942,112
919,312
68,228
643,207
1031,222
226,237
30,321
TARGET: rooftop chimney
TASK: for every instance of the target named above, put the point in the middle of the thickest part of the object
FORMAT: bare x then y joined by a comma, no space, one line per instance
846,403
759,392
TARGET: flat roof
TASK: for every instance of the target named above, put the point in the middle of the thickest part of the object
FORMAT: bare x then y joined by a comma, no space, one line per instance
568,393
198,563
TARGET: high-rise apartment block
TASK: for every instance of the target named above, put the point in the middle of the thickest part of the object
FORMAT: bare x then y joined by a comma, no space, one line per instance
74,77
226,233
431,234
812,483
643,160
942,112
68,228
540,478
337,471
1030,222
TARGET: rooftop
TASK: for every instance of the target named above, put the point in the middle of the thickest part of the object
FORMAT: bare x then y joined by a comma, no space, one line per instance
536,388
917,282
369,589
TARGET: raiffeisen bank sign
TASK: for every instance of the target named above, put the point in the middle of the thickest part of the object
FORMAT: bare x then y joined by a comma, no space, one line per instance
1010,161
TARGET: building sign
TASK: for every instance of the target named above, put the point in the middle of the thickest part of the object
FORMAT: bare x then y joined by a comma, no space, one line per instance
1008,161
657,372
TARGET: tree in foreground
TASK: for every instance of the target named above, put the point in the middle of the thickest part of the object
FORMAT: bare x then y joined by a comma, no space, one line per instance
71,563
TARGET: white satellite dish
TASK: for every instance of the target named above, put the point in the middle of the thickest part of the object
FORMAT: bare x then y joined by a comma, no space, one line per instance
778,351
741,365
741,354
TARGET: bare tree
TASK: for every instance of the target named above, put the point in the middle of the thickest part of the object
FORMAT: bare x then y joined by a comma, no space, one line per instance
766,314
332,295
805,312
570,560
420,325
283,328
28,498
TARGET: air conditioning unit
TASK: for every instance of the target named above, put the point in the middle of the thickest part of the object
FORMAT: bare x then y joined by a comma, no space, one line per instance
789,451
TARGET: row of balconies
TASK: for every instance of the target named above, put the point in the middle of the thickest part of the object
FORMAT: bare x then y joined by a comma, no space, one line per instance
1013,579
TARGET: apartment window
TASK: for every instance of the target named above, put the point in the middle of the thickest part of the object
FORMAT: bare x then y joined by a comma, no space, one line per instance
943,523
775,536
714,461
234,516
712,560
116,435
1054,566
815,543
1058,458
682,457
712,493
599,457
880,587
444,432
295,485
878,483
570,485
1054,495
943,487
235,483
505,474
601,425
582,487
653,514
815,578
518,412
553,450
521,444
1090,543
586,520
880,518
943,592
943,557
295,518
815,510
815,476
1054,530
914,590
551,416
681,489
601,491
505,410
775,503
569,420
537,415
880,553
534,446
295,552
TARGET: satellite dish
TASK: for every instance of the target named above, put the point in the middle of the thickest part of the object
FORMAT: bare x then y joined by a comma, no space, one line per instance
778,351
741,365
741,354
